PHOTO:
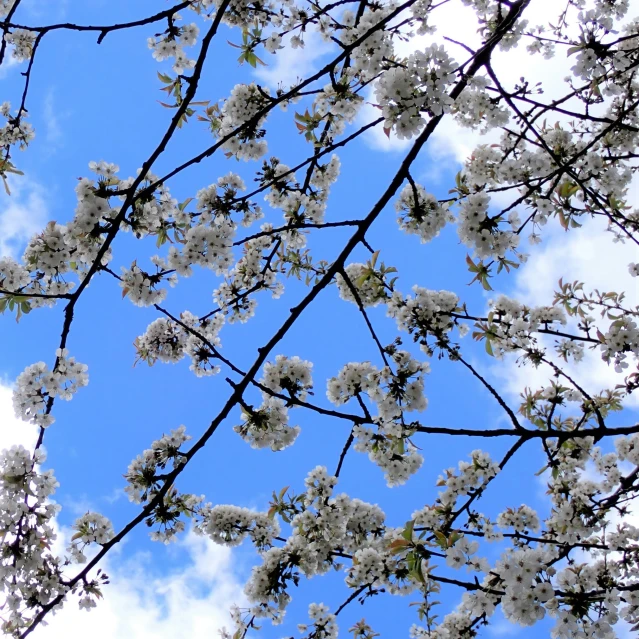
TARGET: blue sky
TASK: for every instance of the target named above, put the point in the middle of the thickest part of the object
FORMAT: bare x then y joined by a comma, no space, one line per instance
90,102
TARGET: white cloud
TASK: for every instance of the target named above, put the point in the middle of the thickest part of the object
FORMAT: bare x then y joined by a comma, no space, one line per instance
12,430
8,64
453,20
459,22
288,66
589,255
22,214
376,137
141,601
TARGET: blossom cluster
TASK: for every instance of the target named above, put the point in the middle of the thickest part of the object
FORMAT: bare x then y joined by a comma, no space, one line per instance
289,374
22,41
91,528
482,232
167,341
267,426
362,285
243,110
512,325
6,6
171,45
475,108
141,474
299,204
231,525
29,573
427,314
139,286
621,338
324,524
16,130
564,159
420,213
323,622
37,385
417,88
393,393
145,485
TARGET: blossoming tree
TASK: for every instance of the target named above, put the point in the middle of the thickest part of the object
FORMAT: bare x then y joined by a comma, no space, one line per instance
566,156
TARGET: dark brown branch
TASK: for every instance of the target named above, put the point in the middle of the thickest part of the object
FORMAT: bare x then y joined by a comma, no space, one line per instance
103,30
482,58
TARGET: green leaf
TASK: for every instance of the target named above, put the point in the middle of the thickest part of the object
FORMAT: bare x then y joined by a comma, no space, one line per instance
361,279
442,541
408,530
165,78
489,348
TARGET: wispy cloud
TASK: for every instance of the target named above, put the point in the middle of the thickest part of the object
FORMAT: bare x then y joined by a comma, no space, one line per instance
503,628
35,9
22,214
51,116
